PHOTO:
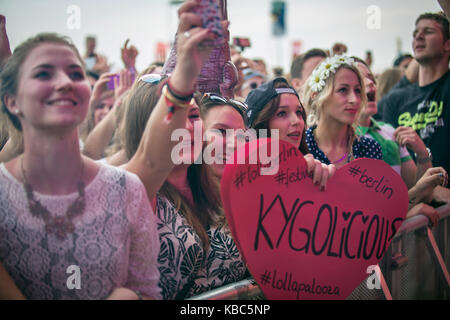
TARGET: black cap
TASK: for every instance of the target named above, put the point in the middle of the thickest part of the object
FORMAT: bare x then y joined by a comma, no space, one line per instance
259,97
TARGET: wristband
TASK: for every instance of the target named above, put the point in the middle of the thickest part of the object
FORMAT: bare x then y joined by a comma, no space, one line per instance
424,160
172,103
182,96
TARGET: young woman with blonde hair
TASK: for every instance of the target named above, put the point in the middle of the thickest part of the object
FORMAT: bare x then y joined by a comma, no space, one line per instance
334,95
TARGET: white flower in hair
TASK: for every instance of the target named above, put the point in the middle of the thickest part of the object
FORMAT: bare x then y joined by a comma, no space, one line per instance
315,80
329,66
323,71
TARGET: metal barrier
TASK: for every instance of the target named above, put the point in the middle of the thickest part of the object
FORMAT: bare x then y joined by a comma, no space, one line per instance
415,266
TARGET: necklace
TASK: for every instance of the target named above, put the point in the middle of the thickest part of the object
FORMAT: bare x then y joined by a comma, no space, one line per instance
348,155
337,161
59,226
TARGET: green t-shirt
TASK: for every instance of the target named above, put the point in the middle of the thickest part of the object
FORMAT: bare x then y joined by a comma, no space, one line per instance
383,133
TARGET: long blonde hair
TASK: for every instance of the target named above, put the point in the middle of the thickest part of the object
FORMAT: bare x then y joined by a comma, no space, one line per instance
314,105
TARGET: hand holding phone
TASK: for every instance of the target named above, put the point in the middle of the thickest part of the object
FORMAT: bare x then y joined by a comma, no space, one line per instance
211,14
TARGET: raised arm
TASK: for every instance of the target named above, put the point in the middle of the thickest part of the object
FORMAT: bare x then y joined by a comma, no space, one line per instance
152,161
98,139
5,51
408,137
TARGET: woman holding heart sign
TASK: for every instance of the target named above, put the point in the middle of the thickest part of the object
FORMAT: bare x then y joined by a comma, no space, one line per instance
334,94
197,252
275,105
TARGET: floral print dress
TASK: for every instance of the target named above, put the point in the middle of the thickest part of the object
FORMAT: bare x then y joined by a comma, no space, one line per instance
186,269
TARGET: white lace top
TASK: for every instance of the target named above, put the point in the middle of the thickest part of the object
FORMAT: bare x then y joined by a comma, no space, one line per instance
115,242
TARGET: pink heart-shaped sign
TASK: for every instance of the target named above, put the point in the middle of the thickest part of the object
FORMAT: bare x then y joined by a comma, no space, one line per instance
303,243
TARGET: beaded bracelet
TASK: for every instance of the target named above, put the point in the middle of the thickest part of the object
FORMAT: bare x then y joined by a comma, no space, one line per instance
173,103
182,96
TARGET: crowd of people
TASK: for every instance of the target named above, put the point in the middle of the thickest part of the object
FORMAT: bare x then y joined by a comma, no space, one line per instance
88,178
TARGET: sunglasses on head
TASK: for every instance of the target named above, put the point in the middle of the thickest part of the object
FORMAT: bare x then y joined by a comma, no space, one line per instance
241,107
213,96
153,78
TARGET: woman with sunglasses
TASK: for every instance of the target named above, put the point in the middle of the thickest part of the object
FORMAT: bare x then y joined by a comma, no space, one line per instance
275,105
224,120
197,252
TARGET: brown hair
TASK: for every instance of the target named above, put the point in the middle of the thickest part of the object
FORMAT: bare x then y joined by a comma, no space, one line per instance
299,61
440,18
269,110
141,101
207,104
9,78
118,137
388,79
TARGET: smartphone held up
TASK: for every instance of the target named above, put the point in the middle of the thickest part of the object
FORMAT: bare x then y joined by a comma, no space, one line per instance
211,13
116,78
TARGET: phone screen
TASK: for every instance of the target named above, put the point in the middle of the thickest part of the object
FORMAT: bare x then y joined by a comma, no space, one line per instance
90,62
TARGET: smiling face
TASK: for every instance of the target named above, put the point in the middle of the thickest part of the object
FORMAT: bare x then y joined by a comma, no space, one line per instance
288,119
52,91
343,104
222,118
193,120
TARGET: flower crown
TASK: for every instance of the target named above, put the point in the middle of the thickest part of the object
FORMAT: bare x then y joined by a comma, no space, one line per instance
322,72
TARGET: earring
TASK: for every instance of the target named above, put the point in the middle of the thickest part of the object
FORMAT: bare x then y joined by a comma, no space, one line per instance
17,112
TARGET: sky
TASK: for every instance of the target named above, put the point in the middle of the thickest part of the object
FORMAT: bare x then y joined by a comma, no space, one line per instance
381,26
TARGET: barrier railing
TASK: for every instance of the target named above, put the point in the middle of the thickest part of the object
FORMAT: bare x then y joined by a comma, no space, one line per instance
415,266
